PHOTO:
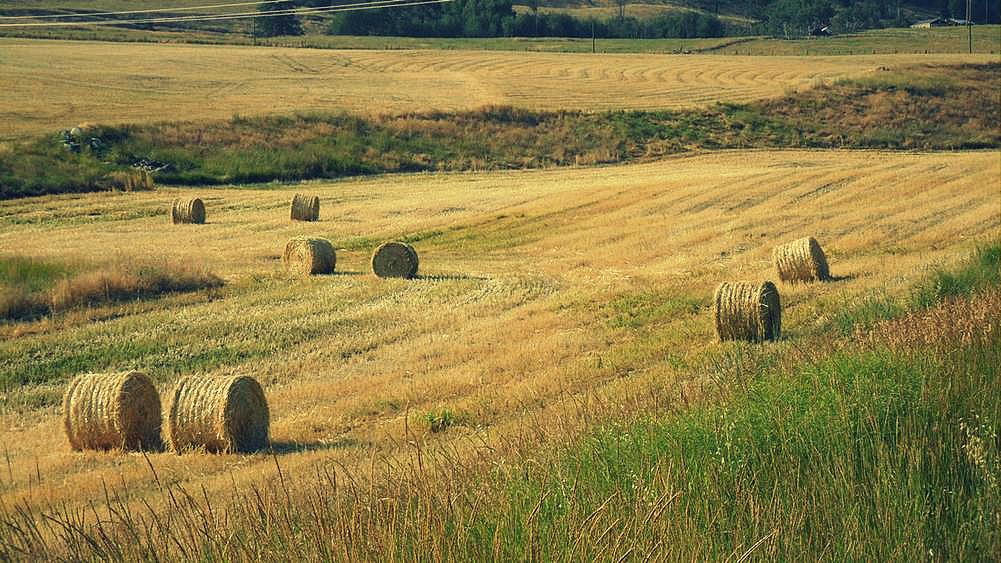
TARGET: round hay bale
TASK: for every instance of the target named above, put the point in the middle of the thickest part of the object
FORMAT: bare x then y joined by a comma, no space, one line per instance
395,260
112,410
187,211
220,414
310,256
747,311
801,261
305,208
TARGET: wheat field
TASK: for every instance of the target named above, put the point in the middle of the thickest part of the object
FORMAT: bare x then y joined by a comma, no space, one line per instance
52,85
513,318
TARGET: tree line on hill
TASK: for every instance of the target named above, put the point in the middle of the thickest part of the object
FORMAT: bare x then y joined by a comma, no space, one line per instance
497,18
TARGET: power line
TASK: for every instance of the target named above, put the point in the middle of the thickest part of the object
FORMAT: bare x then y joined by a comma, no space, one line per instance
379,4
150,11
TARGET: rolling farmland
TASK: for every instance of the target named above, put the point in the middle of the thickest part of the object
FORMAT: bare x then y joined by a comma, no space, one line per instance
56,85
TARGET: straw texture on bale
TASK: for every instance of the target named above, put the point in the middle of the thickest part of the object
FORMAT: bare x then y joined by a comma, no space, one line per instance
116,410
187,211
801,261
395,260
747,311
305,208
220,414
309,256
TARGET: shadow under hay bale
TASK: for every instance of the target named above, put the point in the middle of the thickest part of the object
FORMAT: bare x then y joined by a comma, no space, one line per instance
395,260
115,410
309,256
305,208
801,261
191,211
747,311
220,414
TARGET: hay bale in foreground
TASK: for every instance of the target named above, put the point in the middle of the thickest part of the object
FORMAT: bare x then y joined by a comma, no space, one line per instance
747,311
801,261
112,410
220,414
187,211
309,256
305,208
395,260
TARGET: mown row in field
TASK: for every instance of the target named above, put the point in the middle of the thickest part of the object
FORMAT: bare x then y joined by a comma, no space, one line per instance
918,108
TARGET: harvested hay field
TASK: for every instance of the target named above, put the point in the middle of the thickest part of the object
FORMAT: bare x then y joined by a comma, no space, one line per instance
217,414
112,411
55,85
515,321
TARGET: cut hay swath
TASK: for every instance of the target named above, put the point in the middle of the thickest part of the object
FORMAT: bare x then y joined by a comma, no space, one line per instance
305,208
801,260
187,211
747,311
309,256
112,410
395,260
219,414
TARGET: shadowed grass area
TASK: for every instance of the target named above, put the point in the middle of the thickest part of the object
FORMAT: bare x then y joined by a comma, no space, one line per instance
927,108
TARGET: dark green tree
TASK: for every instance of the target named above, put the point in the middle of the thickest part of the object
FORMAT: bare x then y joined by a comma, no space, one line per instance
273,25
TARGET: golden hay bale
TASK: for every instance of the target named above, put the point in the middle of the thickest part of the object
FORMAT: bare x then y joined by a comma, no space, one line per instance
220,414
395,260
747,311
310,256
187,211
305,208
801,260
114,410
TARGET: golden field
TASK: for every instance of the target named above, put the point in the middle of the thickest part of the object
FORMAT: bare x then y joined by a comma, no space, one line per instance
53,85
512,324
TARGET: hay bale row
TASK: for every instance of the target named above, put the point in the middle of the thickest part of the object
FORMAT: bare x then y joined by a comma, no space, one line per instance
395,260
305,208
747,311
309,256
187,211
801,261
122,411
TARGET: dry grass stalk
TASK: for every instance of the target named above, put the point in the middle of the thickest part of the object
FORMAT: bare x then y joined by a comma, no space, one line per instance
219,414
801,261
131,181
305,208
117,410
309,256
187,211
747,311
395,260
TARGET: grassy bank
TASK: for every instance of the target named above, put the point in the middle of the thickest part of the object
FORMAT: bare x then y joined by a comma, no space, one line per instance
924,108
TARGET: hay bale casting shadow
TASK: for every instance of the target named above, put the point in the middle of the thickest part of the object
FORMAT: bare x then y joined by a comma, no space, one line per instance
190,211
395,260
220,414
305,208
116,410
801,261
308,256
747,311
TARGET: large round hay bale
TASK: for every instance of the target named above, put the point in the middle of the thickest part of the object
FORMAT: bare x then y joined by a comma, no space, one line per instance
395,260
305,208
801,261
747,311
102,411
220,414
187,211
309,256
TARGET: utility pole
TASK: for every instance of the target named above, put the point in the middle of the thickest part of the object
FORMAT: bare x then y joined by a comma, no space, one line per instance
969,22
593,49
